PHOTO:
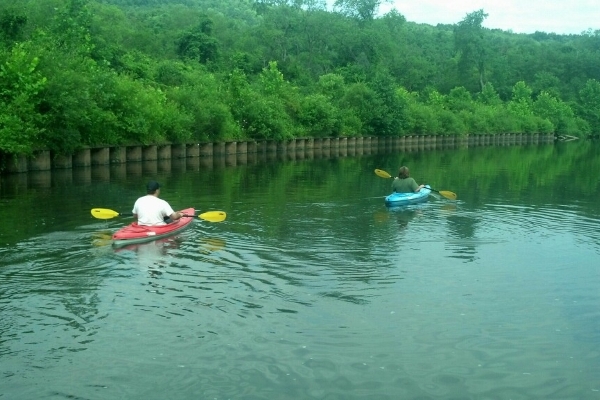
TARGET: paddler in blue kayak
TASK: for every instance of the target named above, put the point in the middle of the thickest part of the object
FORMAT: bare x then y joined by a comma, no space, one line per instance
403,183
149,210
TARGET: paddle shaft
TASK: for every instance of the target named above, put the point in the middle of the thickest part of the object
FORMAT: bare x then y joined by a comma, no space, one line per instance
211,216
183,215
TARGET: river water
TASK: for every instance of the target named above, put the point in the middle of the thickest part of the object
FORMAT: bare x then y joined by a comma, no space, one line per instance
311,288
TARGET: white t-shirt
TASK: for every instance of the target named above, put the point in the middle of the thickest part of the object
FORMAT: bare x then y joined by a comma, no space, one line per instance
151,210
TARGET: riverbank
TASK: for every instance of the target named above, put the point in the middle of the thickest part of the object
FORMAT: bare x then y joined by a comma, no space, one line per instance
306,147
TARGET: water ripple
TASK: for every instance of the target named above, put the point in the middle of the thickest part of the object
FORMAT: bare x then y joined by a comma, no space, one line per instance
337,299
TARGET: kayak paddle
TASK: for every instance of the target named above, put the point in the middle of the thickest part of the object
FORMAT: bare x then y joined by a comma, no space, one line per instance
447,194
210,216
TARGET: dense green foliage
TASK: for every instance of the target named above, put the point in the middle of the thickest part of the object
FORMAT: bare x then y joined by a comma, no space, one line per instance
101,72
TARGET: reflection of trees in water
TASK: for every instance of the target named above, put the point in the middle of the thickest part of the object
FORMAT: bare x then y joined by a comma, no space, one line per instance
346,267
346,297
54,283
82,310
462,229
405,214
207,245
403,217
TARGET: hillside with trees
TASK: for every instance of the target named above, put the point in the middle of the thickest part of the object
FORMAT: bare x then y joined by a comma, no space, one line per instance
77,73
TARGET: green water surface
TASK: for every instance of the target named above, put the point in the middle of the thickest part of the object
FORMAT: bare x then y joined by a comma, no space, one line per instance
311,288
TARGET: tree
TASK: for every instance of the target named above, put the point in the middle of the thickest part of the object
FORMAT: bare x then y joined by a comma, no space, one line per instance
364,10
469,39
319,117
557,112
459,99
12,24
20,84
489,96
521,102
72,28
389,118
109,71
199,44
589,105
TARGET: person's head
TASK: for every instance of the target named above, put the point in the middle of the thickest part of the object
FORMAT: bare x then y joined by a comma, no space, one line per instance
152,187
403,173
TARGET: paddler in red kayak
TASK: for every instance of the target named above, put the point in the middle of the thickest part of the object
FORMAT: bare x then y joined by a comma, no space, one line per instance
149,210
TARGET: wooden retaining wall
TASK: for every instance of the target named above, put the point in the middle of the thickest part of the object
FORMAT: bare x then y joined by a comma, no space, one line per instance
240,152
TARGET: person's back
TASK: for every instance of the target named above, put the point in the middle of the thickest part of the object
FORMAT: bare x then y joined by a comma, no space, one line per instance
151,210
403,183
406,185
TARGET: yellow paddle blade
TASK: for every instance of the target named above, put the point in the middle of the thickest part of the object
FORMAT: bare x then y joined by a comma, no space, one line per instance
213,216
382,173
104,213
447,194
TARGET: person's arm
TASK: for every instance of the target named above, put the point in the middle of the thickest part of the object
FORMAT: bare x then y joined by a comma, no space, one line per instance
416,187
176,215
134,211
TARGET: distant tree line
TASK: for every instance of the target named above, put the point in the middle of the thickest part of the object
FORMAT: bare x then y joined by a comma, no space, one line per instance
79,73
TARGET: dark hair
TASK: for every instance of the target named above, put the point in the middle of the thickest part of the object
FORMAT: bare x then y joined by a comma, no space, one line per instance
152,187
403,173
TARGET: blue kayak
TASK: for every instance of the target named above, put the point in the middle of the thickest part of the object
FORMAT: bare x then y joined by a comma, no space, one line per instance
403,199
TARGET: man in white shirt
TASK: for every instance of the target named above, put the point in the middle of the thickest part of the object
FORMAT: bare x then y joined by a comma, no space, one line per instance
149,210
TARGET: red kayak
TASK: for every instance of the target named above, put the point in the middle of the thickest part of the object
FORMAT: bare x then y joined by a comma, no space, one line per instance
134,233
